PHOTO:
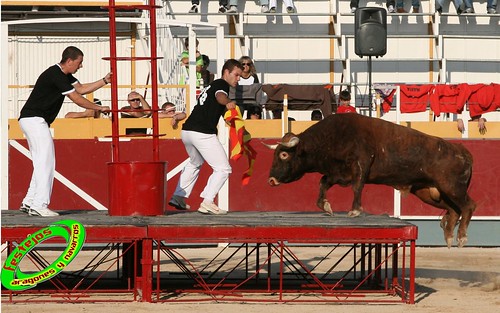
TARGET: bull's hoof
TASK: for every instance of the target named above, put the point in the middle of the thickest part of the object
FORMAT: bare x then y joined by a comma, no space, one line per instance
449,242
461,242
327,208
354,213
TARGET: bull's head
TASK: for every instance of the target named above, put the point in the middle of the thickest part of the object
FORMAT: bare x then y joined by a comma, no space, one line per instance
286,166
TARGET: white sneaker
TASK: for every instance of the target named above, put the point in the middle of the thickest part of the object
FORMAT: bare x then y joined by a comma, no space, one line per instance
211,208
25,208
232,9
194,9
264,9
222,9
390,9
353,10
42,212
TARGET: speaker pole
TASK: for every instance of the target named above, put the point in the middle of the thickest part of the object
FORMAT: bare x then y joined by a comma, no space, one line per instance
370,84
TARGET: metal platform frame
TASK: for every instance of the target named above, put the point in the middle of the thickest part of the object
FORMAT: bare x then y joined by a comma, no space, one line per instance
253,257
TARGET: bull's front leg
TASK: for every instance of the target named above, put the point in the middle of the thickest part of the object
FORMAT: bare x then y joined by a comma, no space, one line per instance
322,202
358,182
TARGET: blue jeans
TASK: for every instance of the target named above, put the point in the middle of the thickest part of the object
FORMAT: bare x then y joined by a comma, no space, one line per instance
414,3
460,5
491,4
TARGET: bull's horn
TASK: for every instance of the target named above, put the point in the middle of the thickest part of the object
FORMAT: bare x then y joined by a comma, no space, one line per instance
272,147
291,143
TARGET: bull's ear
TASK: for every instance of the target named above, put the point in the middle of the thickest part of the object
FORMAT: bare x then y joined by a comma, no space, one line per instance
272,147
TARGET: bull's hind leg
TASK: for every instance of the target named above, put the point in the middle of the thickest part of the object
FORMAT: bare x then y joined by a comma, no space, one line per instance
468,207
449,220
322,202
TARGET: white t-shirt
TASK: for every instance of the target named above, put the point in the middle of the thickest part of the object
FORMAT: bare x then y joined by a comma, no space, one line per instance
247,81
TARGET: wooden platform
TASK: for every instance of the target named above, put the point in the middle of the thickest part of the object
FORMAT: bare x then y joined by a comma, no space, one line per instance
235,226
369,258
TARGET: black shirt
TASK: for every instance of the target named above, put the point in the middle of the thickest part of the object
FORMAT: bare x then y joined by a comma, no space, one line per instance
47,96
207,111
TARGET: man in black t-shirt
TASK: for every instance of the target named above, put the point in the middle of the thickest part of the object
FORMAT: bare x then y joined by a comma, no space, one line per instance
199,135
40,110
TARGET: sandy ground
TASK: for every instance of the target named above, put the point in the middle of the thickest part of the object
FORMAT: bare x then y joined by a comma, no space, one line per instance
455,280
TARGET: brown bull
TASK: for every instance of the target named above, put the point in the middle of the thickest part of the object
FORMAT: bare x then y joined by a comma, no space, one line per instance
351,149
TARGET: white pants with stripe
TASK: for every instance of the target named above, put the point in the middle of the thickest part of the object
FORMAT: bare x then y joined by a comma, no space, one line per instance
200,148
41,147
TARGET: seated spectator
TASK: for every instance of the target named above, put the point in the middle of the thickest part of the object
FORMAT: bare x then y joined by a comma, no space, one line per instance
414,3
254,112
168,111
290,8
316,115
345,103
138,107
87,112
196,4
491,6
249,74
208,77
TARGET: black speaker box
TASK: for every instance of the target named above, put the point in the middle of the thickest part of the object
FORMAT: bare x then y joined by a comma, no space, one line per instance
370,31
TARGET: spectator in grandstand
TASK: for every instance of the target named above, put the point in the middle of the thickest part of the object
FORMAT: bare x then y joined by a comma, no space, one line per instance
254,112
264,6
390,6
168,111
208,77
468,7
290,7
462,6
414,3
138,106
39,111
87,112
199,135
491,6
354,5
316,115
345,102
249,74
389,3
196,6
185,63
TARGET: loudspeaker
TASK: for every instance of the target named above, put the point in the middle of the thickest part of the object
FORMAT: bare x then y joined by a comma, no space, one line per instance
370,31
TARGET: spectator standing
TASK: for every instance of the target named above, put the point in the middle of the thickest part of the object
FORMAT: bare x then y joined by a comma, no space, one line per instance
290,7
196,6
39,111
199,135
138,106
86,113
345,103
249,74
185,63
207,76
